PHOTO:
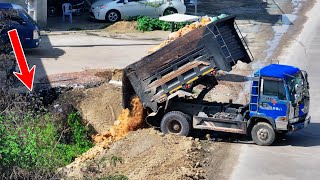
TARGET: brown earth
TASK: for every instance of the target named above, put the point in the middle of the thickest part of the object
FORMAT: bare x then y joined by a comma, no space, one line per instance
231,86
123,27
149,154
99,106
145,153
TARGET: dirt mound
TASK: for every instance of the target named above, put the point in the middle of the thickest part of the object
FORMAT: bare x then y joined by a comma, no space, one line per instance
123,27
181,32
99,106
145,154
233,85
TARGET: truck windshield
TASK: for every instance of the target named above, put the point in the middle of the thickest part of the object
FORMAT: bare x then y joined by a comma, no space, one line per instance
292,81
26,16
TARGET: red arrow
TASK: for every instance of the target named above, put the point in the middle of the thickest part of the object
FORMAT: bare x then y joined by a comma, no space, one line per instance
26,76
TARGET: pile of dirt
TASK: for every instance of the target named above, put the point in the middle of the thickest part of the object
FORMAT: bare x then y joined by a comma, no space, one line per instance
98,101
128,120
233,85
123,27
99,106
145,154
181,32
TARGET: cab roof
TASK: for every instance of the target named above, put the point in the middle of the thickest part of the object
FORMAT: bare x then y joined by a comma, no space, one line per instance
10,6
278,70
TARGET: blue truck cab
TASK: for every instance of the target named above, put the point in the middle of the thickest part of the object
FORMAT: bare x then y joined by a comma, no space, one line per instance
279,103
280,94
27,28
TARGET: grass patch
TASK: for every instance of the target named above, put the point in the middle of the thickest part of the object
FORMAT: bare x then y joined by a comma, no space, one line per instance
38,143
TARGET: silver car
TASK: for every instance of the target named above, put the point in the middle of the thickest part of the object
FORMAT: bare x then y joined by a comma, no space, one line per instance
115,10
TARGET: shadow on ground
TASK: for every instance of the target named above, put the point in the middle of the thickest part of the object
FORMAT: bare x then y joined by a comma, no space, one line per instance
233,78
37,55
307,137
82,22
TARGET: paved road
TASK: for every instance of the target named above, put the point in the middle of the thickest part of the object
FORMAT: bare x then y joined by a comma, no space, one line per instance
75,52
298,157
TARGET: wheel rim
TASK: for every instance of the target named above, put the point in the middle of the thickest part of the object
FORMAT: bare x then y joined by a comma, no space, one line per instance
113,16
174,126
263,134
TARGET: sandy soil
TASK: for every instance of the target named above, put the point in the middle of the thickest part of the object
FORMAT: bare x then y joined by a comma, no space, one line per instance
123,27
149,154
100,104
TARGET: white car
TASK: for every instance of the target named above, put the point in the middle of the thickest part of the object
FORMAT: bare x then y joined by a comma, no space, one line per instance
115,10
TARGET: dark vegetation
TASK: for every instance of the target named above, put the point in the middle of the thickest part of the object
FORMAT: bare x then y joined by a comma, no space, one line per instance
146,23
35,139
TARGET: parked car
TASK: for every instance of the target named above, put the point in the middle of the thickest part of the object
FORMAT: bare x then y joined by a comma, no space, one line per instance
115,10
27,28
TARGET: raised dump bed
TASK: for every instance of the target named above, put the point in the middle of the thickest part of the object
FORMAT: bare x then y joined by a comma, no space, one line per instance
216,46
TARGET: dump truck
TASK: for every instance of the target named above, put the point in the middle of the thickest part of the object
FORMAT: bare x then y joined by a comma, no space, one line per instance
163,80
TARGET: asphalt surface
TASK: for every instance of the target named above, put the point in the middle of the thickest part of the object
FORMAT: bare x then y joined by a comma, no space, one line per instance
74,52
297,156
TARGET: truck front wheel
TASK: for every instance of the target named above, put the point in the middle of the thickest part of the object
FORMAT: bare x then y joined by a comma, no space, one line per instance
263,134
176,122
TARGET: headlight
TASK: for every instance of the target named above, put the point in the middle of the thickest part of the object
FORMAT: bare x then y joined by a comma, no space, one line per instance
102,6
294,120
36,34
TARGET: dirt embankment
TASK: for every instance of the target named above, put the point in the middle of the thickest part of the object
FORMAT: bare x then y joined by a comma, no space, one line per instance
148,154
99,105
145,153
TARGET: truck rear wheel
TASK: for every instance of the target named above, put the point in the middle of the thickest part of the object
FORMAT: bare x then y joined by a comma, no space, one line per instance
176,122
263,134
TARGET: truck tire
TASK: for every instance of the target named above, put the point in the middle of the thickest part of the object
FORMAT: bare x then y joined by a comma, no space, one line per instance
176,122
263,134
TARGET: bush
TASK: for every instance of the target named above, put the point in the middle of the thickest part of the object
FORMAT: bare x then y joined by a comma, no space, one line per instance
35,143
146,23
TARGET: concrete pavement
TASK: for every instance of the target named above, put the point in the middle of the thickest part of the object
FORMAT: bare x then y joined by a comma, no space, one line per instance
297,157
73,52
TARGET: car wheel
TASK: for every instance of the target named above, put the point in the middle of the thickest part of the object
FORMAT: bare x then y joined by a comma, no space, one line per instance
113,16
170,11
263,134
176,122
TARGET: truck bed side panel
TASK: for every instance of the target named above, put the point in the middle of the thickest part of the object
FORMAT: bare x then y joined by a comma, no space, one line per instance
215,46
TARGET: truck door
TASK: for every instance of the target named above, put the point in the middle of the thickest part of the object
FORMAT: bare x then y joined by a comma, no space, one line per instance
273,100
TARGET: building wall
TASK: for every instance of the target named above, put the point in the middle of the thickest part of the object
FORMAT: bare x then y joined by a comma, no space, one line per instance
41,9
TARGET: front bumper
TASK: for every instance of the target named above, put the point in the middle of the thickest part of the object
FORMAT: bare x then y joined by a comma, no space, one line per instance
95,13
34,43
301,124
